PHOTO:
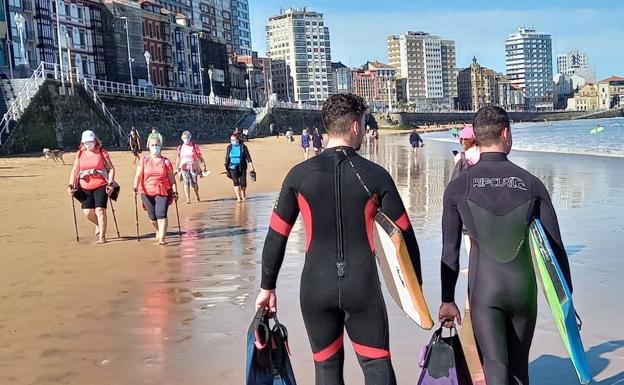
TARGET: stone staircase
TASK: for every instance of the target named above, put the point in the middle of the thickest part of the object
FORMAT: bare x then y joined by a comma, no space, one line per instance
17,94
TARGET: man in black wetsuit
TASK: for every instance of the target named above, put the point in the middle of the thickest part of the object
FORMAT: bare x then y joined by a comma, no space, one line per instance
496,201
339,285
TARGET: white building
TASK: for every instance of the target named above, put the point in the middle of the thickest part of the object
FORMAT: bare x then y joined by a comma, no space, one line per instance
301,39
529,66
426,66
576,63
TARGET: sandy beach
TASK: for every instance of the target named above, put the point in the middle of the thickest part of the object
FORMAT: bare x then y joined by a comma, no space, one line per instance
132,312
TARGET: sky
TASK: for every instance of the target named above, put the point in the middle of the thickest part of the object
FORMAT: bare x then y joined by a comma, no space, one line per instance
358,29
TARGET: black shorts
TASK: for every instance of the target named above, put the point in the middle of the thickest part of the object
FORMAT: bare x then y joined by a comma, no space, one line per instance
156,206
239,177
91,199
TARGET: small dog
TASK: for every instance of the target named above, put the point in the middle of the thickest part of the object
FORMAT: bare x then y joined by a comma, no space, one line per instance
55,155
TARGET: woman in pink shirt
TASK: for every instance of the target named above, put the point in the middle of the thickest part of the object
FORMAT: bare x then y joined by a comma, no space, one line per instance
154,177
92,180
188,164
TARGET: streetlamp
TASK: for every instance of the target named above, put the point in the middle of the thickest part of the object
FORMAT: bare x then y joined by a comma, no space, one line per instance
211,97
147,61
201,77
130,60
19,22
247,88
389,96
58,37
69,67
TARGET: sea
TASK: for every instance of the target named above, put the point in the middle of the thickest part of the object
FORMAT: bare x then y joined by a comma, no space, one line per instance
568,137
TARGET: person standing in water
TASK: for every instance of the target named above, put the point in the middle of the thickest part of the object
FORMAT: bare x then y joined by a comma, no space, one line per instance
91,181
339,282
155,180
134,140
415,140
496,201
305,143
237,159
188,161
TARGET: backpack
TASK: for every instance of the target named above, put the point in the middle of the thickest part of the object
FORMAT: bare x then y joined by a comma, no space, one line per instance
461,166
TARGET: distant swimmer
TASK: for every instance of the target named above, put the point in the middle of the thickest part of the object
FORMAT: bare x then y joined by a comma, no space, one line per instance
92,181
339,284
496,201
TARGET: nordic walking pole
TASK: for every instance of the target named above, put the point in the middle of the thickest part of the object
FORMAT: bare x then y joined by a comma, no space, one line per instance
75,222
178,217
114,217
136,215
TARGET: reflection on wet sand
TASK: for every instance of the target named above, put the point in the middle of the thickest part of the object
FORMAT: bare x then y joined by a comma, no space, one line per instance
189,325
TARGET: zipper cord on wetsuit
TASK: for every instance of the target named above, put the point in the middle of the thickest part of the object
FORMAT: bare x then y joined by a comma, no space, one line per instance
362,180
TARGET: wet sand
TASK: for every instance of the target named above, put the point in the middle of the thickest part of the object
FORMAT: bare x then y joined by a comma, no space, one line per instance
135,313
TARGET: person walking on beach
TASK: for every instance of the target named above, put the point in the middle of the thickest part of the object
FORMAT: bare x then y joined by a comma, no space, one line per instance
317,141
471,154
496,201
134,140
305,143
155,181
339,284
237,159
188,161
289,135
92,180
154,135
415,140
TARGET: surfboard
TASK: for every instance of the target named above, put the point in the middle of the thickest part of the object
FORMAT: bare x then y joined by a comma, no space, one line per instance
559,298
398,272
596,130
467,338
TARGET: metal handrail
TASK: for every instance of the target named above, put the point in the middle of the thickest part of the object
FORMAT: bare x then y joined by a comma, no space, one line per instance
17,106
91,91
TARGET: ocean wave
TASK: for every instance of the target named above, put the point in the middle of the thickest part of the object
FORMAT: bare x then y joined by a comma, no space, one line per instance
565,151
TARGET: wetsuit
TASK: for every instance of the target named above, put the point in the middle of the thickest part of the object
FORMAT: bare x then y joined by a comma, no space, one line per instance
496,201
339,284
415,140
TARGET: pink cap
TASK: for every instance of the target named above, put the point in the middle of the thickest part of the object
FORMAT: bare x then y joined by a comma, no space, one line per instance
467,132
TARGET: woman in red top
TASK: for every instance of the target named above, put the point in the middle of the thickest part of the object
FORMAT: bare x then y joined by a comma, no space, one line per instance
92,180
154,176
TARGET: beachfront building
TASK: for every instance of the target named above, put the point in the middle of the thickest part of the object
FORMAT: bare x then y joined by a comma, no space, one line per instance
585,99
341,75
126,30
425,65
477,87
156,41
529,65
255,76
299,38
564,87
611,93
575,62
375,82
241,31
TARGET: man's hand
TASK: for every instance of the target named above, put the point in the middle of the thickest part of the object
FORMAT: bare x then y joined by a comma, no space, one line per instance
448,314
267,299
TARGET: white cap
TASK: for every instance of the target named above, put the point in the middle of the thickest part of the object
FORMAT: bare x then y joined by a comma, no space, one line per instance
87,136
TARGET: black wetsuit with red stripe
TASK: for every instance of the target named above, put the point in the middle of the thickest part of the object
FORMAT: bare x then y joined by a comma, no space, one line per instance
340,286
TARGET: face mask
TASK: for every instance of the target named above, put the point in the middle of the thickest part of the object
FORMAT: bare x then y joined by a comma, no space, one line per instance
155,150
233,141
89,145
186,140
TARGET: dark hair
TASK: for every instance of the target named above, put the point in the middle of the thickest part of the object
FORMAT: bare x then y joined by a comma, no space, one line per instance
489,123
340,110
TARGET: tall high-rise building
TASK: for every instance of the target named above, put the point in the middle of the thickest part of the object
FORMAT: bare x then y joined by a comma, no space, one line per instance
576,63
426,66
529,66
300,38
241,32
